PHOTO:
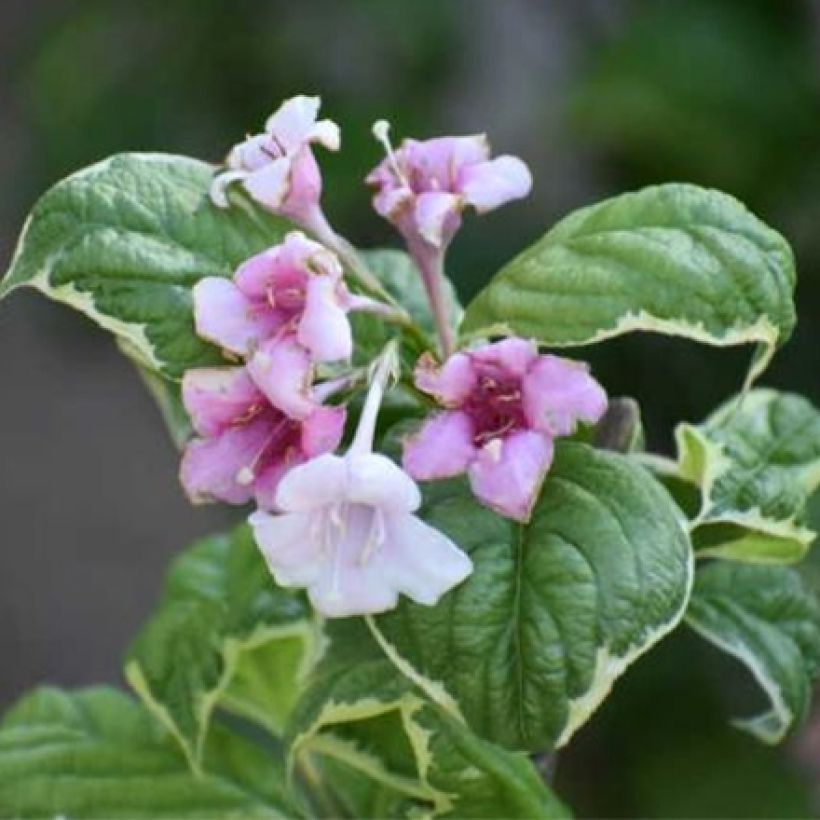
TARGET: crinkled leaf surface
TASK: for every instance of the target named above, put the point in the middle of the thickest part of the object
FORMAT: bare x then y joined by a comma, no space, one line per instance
769,620
97,753
383,748
756,461
674,259
125,240
555,610
223,635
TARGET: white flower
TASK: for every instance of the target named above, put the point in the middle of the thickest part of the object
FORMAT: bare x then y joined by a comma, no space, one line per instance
347,531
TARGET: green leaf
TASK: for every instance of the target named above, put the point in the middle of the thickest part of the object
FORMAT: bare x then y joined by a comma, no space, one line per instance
223,635
96,753
755,461
766,618
555,610
673,259
125,240
383,748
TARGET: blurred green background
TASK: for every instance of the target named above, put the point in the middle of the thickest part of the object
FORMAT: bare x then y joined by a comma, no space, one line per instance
598,96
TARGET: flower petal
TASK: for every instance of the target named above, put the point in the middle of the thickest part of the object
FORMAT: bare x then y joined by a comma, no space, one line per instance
293,121
214,468
225,317
292,553
557,393
270,184
451,382
508,473
375,480
324,328
442,448
215,397
219,186
513,356
419,561
437,216
314,484
282,370
322,430
487,185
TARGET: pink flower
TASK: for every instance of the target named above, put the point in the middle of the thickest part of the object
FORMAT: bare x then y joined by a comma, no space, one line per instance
505,406
293,288
247,442
348,533
423,187
277,167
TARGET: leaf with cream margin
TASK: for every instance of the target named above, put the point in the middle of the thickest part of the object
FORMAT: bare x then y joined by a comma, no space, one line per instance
756,462
384,750
124,242
556,610
767,618
674,259
224,635
96,753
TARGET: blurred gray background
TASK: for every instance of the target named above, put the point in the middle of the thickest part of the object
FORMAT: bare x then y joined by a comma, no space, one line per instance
597,95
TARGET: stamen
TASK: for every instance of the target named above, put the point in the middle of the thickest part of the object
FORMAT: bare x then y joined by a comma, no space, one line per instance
381,131
375,537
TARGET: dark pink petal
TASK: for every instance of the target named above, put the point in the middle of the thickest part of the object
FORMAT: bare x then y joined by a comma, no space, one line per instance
215,397
224,316
508,473
442,448
282,370
487,185
255,276
558,393
222,468
322,430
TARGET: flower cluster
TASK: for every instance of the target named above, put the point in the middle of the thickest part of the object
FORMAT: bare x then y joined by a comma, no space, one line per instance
344,527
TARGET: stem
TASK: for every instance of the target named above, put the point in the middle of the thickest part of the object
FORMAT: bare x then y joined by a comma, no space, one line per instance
366,431
431,266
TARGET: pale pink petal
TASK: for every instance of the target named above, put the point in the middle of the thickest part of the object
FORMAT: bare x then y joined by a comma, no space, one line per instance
351,580
437,216
375,480
487,185
293,121
215,397
513,356
282,370
558,393
224,316
327,134
322,430
324,328
219,186
291,550
508,473
270,185
418,560
266,483
314,484
442,448
450,383
220,468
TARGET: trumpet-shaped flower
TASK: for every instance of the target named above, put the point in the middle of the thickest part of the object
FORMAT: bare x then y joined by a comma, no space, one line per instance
295,288
423,187
277,168
245,442
505,405
348,533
